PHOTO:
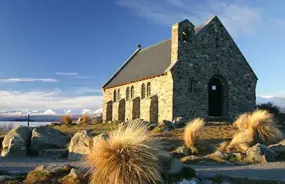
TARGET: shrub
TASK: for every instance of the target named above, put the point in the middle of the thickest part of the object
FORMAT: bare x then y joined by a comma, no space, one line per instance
257,127
128,156
67,120
85,119
270,107
192,134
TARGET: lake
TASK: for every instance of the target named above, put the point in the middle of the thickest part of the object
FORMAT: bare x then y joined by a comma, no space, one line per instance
23,123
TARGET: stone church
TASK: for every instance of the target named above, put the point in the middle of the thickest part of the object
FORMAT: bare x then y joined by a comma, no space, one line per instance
198,72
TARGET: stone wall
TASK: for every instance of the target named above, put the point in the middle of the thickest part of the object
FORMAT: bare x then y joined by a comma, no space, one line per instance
161,91
211,52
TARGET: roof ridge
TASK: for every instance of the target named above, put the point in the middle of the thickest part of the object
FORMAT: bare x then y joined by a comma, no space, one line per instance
155,44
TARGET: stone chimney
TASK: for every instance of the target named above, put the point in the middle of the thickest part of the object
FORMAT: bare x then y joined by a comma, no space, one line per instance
182,34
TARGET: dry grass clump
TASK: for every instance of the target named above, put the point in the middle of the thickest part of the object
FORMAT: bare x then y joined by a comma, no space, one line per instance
85,119
257,127
192,134
127,157
242,121
67,120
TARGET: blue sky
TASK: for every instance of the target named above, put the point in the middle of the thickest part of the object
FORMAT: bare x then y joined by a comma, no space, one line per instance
58,53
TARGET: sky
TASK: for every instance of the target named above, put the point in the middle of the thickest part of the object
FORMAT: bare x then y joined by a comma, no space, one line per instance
57,54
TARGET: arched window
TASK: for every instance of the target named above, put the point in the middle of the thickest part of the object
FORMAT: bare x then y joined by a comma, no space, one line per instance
132,92
148,89
115,96
143,91
127,93
119,94
192,85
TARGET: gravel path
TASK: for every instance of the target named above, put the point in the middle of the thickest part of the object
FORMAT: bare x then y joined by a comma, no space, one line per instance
269,171
26,164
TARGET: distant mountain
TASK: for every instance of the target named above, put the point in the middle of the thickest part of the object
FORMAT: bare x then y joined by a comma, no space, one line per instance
278,101
46,115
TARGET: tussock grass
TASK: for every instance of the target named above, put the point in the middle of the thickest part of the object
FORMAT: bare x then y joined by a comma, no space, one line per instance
127,157
242,121
256,127
192,134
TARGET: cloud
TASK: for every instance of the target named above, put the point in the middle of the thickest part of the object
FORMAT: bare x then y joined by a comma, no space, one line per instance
237,17
14,80
88,90
80,77
55,99
66,74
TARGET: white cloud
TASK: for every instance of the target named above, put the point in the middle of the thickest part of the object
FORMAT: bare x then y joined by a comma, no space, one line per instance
66,73
80,77
14,80
88,90
46,100
236,16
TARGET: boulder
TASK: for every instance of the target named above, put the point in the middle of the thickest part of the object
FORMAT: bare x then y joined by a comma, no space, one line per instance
192,159
260,154
47,138
15,143
179,122
173,169
54,153
166,126
99,137
181,151
279,149
17,148
50,173
76,176
79,145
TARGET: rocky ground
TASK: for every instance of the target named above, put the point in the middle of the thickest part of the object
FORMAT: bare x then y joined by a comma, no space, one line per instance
25,149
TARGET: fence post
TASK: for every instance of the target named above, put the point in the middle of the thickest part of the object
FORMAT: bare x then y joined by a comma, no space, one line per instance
28,120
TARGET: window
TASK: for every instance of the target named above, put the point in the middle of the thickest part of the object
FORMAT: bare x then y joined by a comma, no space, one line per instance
119,94
148,89
115,96
132,92
192,85
143,91
127,93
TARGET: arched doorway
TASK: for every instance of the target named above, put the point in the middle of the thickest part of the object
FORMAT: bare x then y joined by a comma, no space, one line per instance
216,97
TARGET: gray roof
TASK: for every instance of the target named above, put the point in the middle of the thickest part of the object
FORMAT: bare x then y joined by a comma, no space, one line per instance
144,63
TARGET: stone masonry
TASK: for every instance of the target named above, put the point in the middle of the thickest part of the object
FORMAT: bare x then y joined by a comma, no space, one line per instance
207,76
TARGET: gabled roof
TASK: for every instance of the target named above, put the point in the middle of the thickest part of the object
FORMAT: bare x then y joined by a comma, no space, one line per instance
149,62
144,63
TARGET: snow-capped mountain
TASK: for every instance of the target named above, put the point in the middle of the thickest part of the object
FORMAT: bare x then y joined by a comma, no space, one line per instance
92,113
49,112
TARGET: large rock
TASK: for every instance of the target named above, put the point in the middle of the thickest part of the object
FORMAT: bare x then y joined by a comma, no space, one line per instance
50,173
179,122
79,145
76,176
166,126
260,154
47,138
279,149
15,143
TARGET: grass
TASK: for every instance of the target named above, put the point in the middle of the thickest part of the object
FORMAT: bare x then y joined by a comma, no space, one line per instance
192,134
95,128
128,156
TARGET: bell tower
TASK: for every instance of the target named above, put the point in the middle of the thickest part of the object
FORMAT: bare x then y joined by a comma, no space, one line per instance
182,34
